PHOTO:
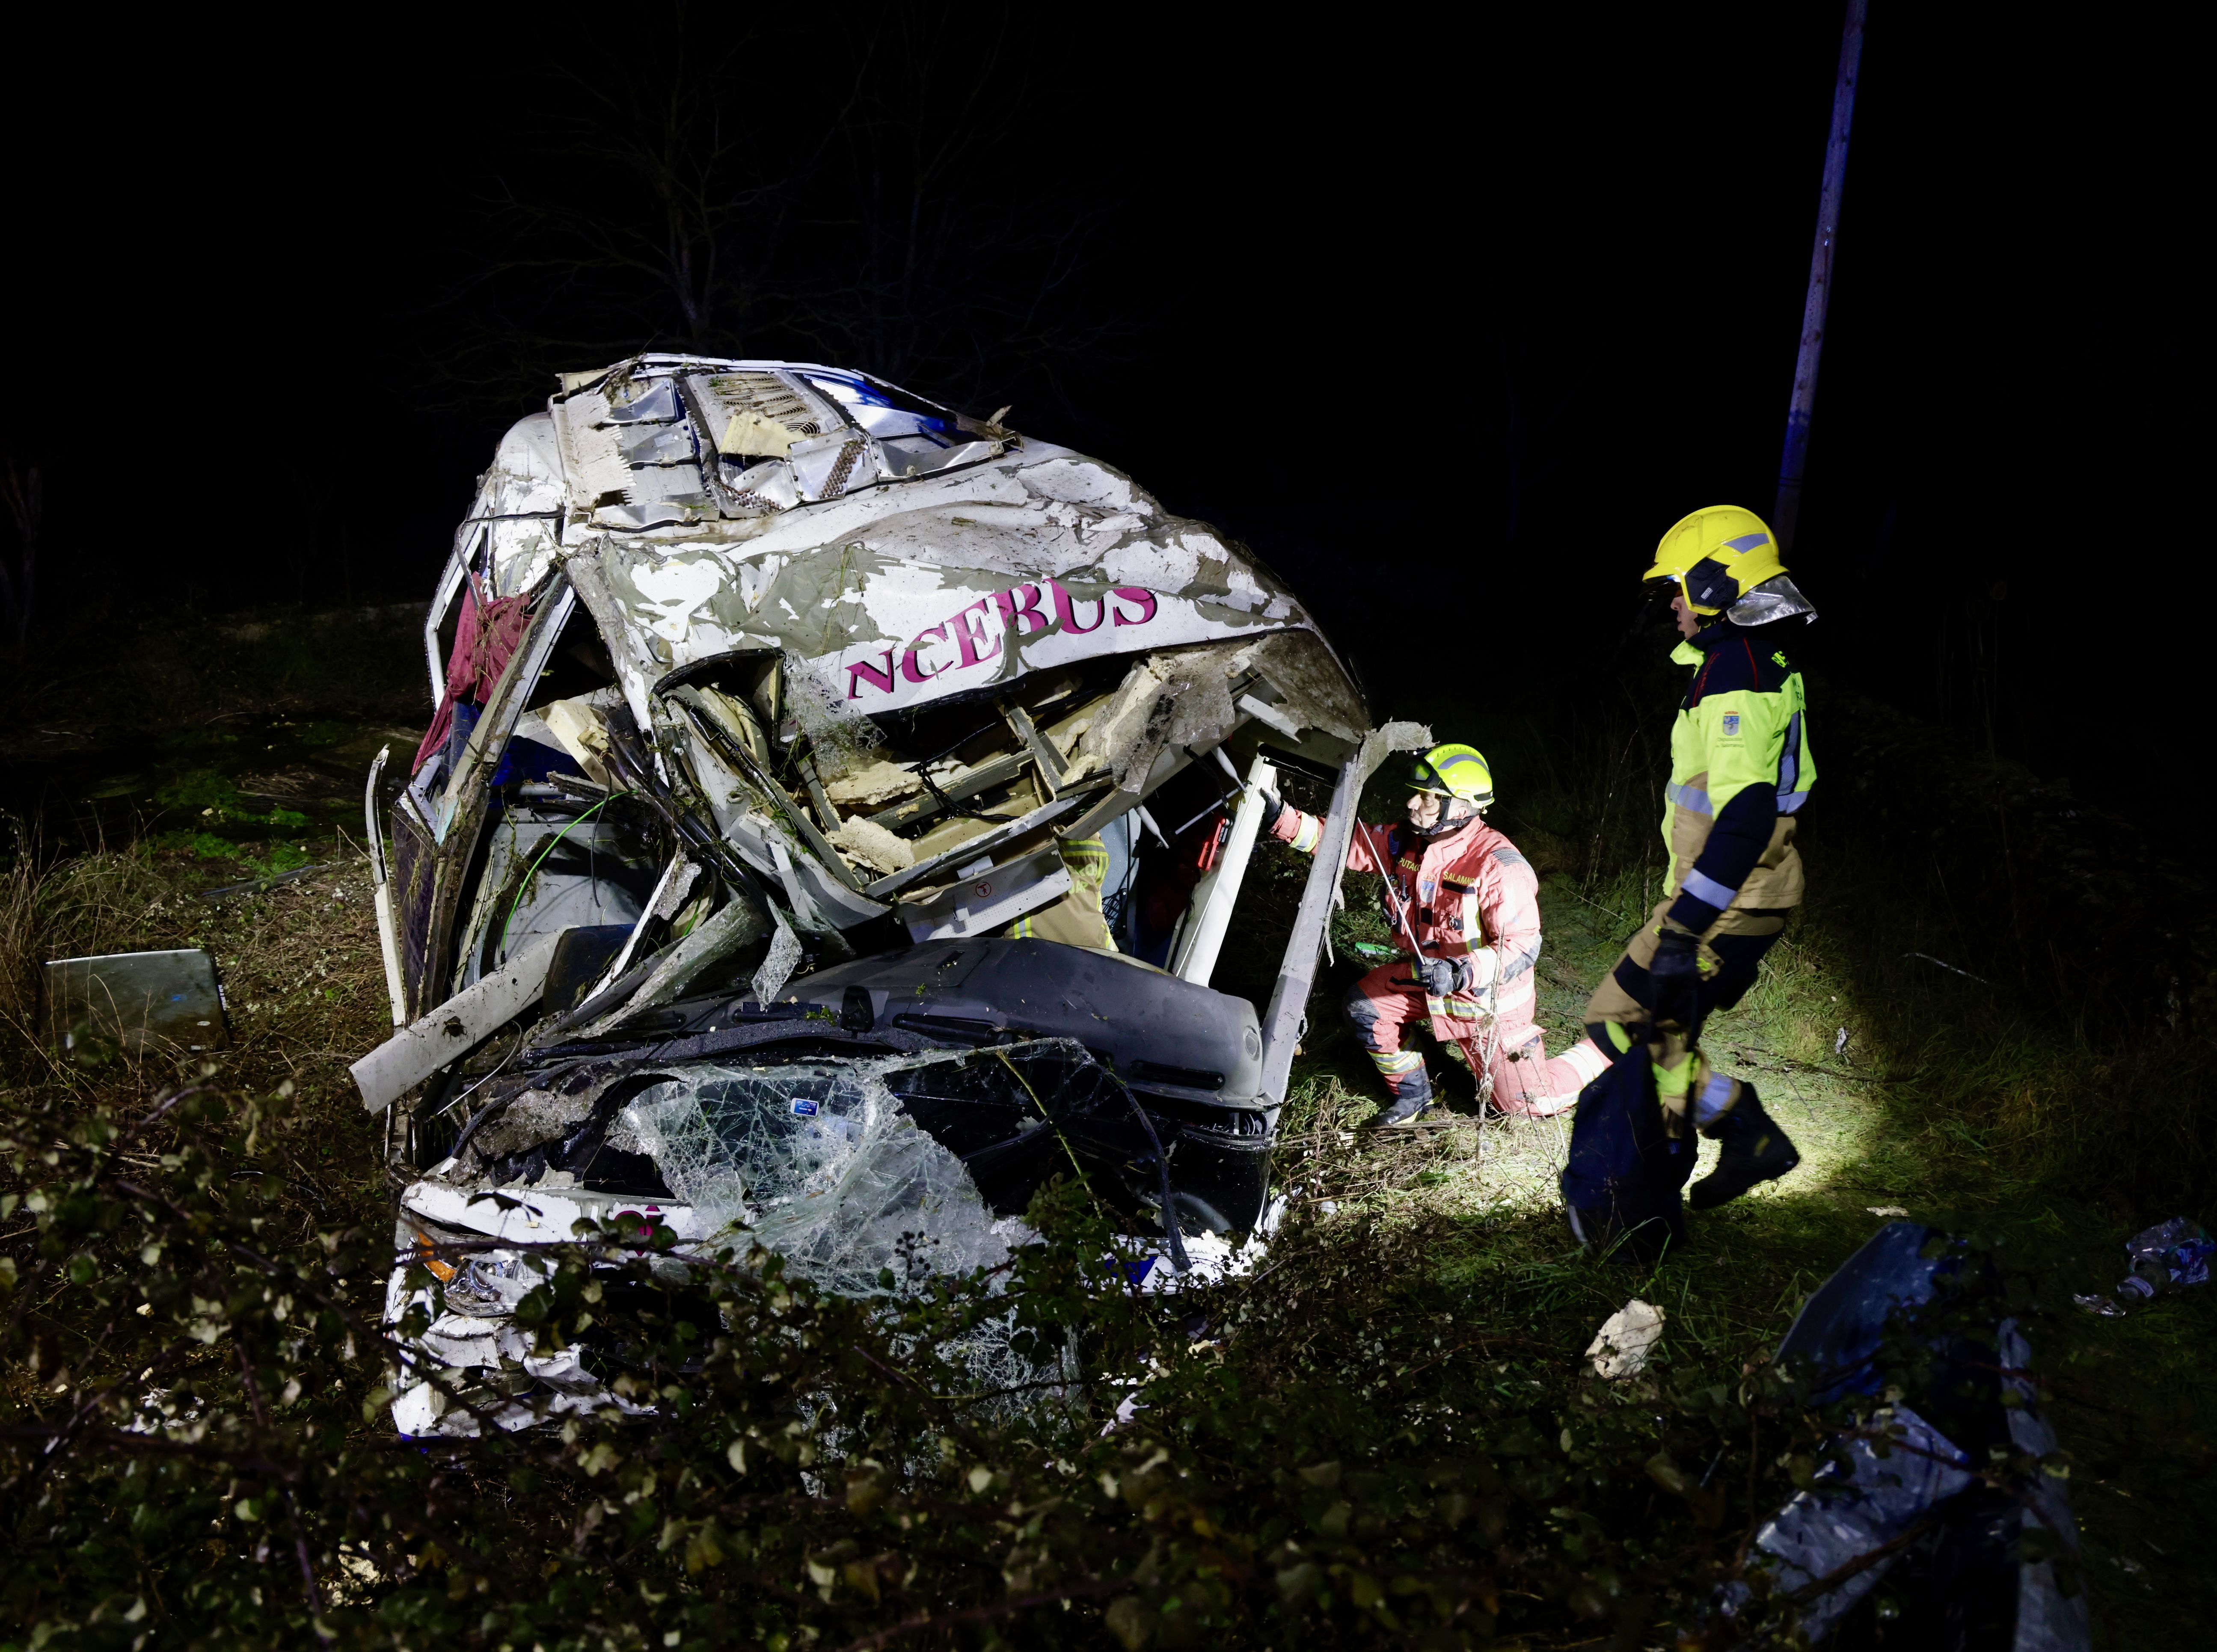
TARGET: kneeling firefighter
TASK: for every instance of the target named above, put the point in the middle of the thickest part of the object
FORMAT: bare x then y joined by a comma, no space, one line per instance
1740,768
1464,904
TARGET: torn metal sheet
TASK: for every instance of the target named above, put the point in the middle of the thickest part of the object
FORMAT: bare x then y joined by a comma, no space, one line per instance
142,1002
1218,891
388,938
452,1030
1284,1022
990,900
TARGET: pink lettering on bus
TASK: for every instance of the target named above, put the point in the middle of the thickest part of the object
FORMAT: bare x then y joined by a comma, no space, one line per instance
882,675
909,667
1135,594
1021,615
1066,610
1020,610
969,633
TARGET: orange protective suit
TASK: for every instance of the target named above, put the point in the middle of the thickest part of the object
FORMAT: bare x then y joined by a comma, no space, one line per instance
1461,894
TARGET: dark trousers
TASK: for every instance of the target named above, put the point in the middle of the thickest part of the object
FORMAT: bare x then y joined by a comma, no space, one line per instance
1626,1169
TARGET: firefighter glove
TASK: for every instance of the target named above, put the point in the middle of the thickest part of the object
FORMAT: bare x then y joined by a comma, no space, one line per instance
1273,806
1676,973
1444,976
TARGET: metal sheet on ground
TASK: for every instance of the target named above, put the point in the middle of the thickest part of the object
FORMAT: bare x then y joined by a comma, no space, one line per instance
140,1000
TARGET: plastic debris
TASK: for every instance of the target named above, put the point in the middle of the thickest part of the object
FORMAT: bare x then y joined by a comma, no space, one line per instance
1887,1210
2169,1256
1619,1348
1847,1517
1210,1260
1903,1496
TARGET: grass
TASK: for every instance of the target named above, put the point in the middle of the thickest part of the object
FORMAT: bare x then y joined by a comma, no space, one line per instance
2056,1108
2056,1111
301,971
2133,1399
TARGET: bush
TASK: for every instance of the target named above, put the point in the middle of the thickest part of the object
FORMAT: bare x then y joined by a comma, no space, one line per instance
195,1449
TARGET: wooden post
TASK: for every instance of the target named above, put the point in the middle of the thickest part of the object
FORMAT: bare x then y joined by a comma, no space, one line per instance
1795,457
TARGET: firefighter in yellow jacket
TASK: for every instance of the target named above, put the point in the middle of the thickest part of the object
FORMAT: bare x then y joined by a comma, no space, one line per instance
1740,771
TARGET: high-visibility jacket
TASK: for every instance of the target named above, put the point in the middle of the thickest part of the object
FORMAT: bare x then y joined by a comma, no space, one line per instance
1466,893
1075,920
1740,768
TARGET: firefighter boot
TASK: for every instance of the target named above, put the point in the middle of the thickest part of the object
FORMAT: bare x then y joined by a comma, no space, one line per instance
1755,1149
1408,1085
1404,1108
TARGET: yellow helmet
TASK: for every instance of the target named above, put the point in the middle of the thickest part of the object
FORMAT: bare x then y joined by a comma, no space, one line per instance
1717,556
1453,772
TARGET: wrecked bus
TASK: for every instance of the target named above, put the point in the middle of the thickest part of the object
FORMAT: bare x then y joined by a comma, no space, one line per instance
802,753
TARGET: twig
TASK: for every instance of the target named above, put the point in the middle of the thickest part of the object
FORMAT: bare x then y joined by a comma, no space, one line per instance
260,885
1485,1351
983,1614
308,1588
166,1104
1808,1066
1596,905
1862,1563
1950,968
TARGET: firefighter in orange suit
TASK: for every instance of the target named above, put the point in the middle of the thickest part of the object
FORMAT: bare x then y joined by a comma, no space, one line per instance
1463,905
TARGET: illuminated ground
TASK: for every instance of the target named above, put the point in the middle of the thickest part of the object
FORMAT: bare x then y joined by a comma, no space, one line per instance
2130,1398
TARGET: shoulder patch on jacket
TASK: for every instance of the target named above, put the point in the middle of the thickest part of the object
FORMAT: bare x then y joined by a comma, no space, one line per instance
1509,857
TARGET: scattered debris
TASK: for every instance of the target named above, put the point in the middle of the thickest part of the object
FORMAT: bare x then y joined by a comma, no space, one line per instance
1887,1210
2169,1256
1908,1495
1900,1466
1621,1347
135,1001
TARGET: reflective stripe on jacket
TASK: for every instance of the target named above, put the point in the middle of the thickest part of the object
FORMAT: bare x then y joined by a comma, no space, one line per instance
1740,768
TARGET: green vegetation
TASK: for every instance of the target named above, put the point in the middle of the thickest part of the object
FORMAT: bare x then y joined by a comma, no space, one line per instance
1384,1435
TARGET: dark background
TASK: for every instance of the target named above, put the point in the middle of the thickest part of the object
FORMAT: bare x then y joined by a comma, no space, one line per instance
1449,318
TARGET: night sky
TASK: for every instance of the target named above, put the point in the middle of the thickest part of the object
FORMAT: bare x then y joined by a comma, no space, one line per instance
1449,316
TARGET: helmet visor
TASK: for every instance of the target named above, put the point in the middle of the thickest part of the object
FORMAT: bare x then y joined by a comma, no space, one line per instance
1421,776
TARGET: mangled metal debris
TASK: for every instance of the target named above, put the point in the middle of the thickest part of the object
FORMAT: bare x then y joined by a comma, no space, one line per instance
797,787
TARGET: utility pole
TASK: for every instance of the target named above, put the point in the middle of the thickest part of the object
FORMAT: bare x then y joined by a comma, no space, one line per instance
1795,457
